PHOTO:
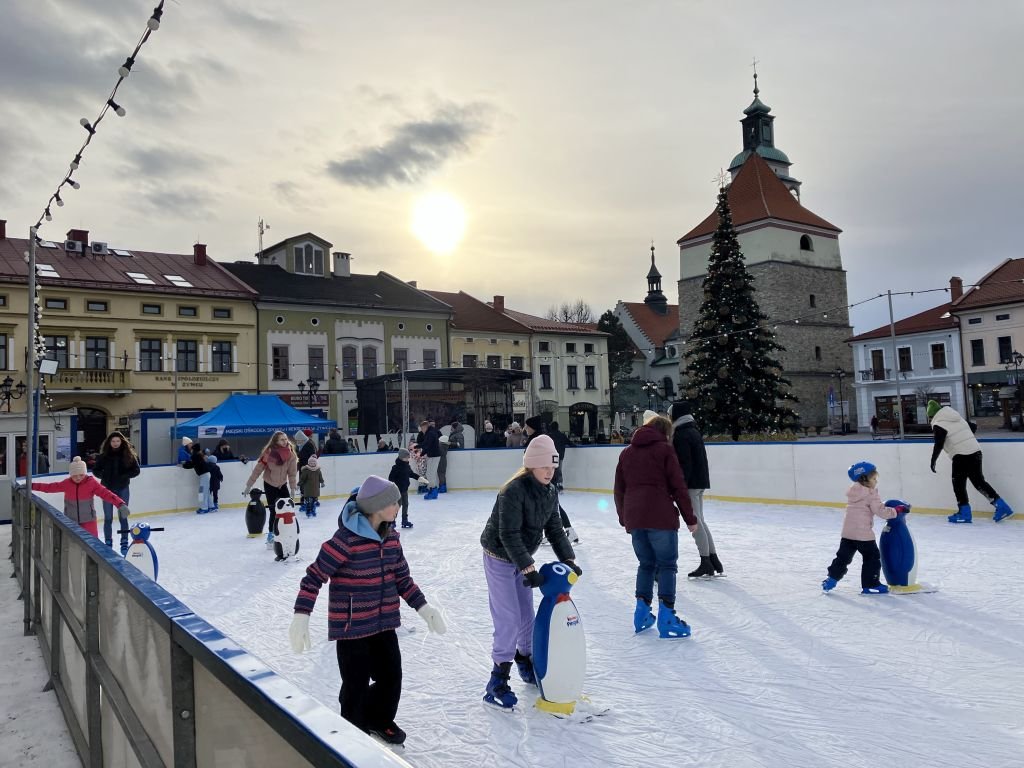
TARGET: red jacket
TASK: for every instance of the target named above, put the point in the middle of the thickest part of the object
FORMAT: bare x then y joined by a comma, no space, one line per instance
78,497
648,480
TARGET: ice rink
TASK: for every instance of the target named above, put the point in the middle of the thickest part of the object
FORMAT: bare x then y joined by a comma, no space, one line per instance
776,673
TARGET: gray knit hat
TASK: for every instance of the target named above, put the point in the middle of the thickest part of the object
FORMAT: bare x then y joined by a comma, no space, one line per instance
403,454
375,493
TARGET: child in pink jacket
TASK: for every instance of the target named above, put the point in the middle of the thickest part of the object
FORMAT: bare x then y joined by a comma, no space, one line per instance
79,490
863,504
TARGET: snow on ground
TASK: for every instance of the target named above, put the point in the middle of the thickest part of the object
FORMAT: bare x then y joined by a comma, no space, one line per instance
776,673
32,732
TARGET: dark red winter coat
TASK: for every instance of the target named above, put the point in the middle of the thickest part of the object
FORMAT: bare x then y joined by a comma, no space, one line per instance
649,488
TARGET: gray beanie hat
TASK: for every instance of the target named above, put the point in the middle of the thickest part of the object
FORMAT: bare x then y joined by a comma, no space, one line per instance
403,453
375,493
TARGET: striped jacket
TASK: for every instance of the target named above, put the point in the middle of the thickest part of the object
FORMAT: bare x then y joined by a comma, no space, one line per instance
367,577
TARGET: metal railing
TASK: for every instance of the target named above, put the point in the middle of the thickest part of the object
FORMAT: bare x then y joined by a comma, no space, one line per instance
141,679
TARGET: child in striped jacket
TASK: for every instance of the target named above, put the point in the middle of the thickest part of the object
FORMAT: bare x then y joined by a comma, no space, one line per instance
368,572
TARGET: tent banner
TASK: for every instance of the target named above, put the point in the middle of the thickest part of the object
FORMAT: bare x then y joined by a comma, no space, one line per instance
262,429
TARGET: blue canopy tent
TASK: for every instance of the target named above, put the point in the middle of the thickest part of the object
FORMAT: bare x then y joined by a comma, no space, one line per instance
251,415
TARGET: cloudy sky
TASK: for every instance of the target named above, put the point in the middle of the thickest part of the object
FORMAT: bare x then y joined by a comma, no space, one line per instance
574,132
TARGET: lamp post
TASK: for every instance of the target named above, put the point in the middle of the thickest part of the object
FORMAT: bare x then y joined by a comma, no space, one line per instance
1014,361
9,392
312,385
840,374
651,388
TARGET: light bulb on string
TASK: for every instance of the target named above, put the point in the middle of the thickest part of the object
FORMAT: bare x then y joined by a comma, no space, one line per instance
57,200
84,122
76,162
125,69
116,107
74,184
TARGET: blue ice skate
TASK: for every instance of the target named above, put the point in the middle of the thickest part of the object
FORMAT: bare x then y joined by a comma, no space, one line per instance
498,692
671,626
828,584
880,589
1003,510
642,616
963,515
525,666
442,488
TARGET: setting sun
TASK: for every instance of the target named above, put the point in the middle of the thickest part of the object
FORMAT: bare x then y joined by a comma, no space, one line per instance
439,221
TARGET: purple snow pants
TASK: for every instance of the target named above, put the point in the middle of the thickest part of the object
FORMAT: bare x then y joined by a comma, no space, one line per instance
511,610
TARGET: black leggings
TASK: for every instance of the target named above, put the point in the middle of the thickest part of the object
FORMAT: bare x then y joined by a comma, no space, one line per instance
364,704
870,566
273,494
969,468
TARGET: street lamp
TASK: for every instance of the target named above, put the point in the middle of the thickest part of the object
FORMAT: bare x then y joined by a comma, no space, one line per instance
1015,360
651,388
8,392
313,386
840,374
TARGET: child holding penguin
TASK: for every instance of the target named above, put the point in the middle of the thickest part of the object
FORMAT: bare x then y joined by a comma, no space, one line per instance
525,510
368,572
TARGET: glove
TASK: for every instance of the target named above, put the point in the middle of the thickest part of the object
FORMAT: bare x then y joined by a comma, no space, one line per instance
532,579
298,632
572,564
434,619
123,511
422,481
899,506
933,466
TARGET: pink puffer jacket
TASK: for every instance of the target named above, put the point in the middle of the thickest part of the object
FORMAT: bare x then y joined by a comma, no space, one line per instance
863,504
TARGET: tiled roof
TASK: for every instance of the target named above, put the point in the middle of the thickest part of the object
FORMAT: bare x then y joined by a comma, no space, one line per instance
102,272
929,320
1003,285
275,284
471,314
756,194
657,328
543,325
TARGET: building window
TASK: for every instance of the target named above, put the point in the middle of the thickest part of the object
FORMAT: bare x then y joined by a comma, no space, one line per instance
152,309
817,353
1003,317
401,360
151,355
877,365
348,363
97,306
430,327
494,361
493,341
977,351
544,346
469,339
56,304
57,349
571,376
905,359
187,355
315,355
309,260
220,359
806,244
188,311
813,301
3,351
369,362
97,352
515,342
974,321
429,359
469,361
221,313
516,363
1005,349
570,347
588,349
279,356
938,355
590,377
3,300
401,326
545,376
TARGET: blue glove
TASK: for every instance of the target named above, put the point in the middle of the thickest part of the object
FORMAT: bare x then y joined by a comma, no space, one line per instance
899,506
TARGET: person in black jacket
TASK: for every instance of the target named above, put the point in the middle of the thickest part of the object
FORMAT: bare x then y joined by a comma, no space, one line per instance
489,438
431,446
197,463
401,473
561,442
305,443
693,458
334,444
115,467
223,451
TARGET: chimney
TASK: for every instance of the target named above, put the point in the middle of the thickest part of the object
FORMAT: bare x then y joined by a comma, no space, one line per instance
342,264
199,254
499,304
81,235
3,229
956,288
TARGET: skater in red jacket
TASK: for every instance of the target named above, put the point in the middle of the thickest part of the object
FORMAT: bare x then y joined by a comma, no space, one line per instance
79,490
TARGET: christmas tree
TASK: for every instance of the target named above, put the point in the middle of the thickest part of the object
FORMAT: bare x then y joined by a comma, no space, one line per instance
732,378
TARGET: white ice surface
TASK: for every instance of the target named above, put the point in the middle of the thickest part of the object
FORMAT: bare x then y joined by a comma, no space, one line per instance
776,673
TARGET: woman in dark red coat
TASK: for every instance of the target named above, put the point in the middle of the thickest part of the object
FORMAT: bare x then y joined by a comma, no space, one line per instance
650,495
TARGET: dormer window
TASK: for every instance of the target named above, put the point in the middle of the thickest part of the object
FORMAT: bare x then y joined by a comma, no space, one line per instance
309,260
806,244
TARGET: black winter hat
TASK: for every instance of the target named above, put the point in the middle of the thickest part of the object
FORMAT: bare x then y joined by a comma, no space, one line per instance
535,422
681,408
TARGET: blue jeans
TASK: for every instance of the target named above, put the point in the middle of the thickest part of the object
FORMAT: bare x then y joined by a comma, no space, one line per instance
656,551
108,519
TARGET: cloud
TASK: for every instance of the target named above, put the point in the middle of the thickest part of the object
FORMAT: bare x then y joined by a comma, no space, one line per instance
416,148
166,160
292,194
271,26
178,201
